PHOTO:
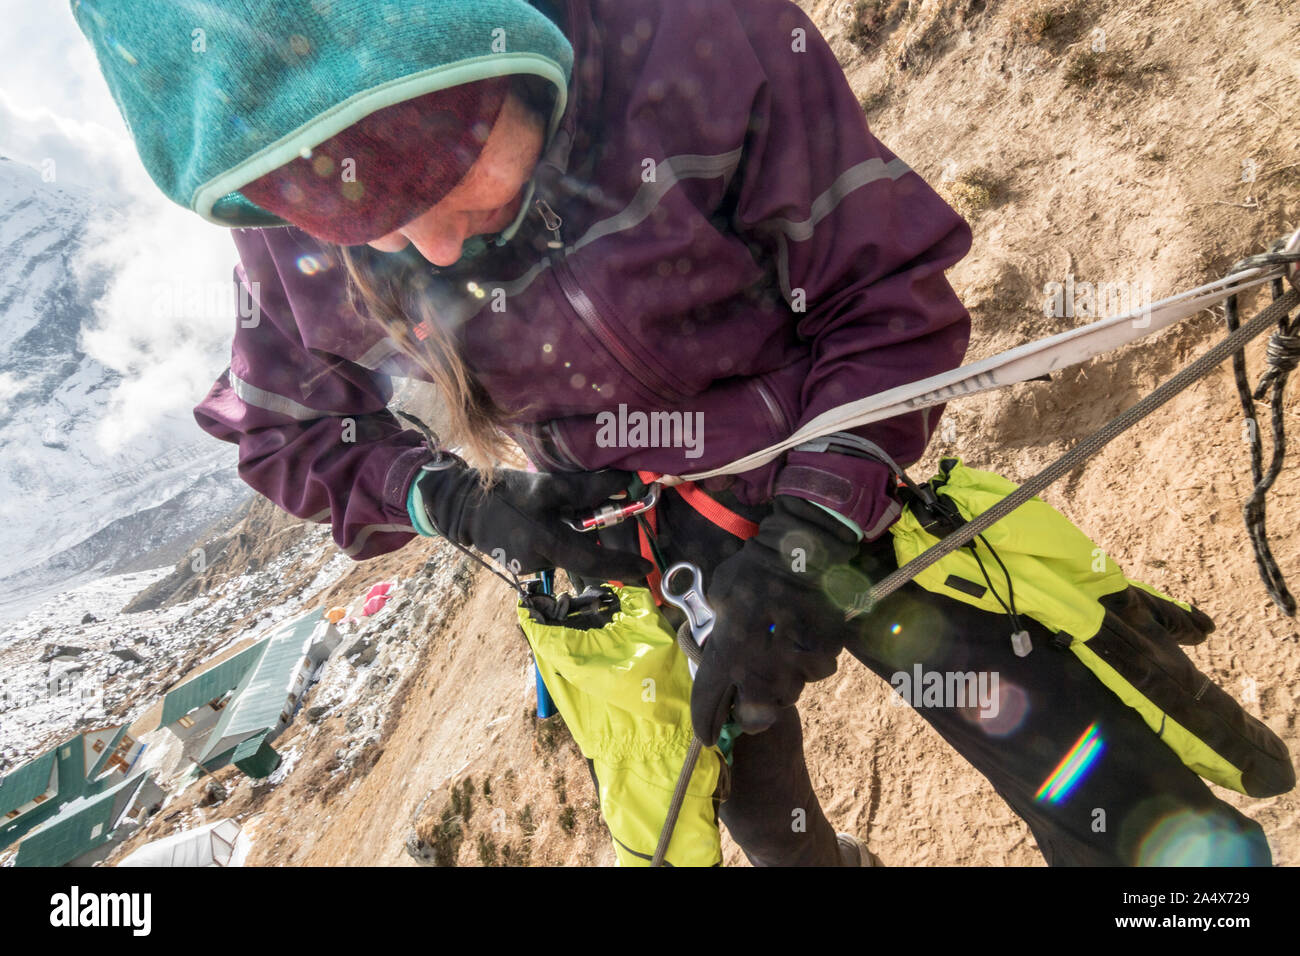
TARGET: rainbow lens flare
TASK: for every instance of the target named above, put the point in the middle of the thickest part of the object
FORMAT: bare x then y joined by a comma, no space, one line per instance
1073,767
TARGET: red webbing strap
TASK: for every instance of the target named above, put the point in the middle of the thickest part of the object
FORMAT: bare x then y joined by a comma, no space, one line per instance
652,579
719,514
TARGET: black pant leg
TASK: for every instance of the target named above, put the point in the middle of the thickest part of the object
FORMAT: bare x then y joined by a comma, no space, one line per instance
1136,803
773,812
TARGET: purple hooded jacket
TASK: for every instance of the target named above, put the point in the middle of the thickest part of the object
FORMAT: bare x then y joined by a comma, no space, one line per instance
737,246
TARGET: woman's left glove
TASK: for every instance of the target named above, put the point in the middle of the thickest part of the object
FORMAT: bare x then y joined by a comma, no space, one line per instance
775,628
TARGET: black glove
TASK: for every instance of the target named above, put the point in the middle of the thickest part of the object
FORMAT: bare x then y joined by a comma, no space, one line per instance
518,521
775,628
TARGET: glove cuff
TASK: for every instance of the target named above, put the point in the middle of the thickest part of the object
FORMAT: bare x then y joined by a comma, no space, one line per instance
415,508
438,495
847,522
830,523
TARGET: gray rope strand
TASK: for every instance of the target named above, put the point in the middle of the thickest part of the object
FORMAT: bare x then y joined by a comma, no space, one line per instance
694,653
679,797
1078,454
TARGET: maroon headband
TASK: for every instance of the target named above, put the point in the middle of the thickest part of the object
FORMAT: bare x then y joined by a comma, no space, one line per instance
406,158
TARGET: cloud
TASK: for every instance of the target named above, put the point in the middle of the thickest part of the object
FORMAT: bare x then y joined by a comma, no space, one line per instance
85,153
167,316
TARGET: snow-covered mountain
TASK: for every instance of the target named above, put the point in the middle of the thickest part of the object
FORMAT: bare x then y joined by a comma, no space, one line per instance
69,508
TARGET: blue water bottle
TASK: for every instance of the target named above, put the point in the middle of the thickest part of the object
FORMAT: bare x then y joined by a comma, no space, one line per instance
545,705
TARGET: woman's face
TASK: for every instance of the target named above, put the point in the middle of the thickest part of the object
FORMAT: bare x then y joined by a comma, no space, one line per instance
487,199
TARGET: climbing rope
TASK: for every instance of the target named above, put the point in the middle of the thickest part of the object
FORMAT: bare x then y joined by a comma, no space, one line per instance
1233,343
1282,355
679,797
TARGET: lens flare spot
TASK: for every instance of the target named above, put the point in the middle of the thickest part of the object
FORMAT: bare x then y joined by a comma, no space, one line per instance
896,629
1073,768
309,265
1186,838
1006,713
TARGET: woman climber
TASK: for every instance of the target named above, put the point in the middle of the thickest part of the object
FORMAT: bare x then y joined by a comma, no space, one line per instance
564,210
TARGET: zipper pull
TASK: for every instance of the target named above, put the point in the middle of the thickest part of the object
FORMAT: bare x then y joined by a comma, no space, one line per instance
552,222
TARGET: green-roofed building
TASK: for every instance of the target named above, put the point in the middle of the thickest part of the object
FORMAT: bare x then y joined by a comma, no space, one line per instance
85,830
192,709
81,765
26,796
267,697
213,684
255,756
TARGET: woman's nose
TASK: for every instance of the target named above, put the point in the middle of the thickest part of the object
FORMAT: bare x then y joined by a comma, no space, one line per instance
438,239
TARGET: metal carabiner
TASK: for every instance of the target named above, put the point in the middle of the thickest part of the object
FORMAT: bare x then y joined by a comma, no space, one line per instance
696,607
612,514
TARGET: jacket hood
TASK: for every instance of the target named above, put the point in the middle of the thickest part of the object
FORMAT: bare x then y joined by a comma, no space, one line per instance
217,95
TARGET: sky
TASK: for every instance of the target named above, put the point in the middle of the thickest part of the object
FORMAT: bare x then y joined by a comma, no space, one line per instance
164,321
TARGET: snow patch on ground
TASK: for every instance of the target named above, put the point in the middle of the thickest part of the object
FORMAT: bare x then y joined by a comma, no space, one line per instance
44,701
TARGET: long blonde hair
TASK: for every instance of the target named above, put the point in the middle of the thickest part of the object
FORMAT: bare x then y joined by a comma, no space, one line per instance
468,418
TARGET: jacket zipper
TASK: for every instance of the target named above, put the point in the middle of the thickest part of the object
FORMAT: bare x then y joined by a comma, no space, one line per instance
588,312
640,372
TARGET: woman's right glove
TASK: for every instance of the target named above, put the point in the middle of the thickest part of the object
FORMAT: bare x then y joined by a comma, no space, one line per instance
775,628
518,522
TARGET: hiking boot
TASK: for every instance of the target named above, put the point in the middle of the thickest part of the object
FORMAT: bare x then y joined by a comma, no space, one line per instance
853,852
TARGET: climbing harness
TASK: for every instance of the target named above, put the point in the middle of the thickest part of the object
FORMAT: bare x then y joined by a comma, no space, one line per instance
1037,359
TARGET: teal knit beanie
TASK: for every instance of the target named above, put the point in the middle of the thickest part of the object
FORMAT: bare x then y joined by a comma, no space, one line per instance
218,94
